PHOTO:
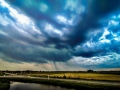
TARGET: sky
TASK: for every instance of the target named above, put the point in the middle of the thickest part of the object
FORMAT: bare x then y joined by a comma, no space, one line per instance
59,34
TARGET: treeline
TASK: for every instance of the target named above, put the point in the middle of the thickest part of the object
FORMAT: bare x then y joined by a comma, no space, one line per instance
32,71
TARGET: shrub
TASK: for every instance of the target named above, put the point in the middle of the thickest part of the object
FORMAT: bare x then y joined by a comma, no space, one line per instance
64,76
4,84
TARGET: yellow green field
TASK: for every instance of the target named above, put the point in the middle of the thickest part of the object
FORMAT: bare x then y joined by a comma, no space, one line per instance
88,76
107,76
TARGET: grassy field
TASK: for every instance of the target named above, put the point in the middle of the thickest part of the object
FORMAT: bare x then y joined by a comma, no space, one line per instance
101,76
70,75
85,76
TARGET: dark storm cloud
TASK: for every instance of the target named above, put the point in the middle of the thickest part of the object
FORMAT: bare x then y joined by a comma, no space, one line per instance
105,50
34,12
102,7
96,9
102,43
32,9
21,42
55,31
29,53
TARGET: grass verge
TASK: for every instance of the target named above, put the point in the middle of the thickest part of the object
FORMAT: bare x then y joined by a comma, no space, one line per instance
66,84
4,84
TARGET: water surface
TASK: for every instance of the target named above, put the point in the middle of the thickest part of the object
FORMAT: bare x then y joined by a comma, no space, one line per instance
33,86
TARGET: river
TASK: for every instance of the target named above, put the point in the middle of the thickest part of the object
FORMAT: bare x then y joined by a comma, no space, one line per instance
33,86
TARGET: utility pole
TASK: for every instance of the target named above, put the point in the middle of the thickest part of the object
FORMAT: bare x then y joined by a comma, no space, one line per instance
48,77
5,74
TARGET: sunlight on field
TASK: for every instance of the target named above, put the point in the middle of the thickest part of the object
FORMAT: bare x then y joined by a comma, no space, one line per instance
88,76
107,76
91,76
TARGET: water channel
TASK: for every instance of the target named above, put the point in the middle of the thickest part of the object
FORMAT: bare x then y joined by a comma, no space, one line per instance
33,86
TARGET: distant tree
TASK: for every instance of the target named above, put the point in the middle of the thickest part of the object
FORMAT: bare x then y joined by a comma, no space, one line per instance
64,76
89,70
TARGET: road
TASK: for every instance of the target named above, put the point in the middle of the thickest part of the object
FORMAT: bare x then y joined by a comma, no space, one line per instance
70,80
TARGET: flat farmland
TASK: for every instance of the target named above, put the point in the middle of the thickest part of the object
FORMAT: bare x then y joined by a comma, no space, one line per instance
88,80
84,76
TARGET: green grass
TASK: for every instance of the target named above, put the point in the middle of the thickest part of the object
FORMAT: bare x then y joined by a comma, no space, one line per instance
1,74
4,84
66,84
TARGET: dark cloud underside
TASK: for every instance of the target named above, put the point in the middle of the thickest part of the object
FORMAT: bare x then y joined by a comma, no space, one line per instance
44,31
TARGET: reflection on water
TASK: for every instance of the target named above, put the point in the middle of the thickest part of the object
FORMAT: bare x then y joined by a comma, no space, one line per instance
31,86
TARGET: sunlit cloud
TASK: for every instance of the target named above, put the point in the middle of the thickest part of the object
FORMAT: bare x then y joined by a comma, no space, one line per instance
52,31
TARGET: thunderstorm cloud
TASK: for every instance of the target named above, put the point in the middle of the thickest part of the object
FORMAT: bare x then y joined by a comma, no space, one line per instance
82,33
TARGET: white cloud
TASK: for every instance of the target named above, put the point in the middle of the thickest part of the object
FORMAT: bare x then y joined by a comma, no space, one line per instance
52,31
21,20
64,20
103,37
85,61
3,3
106,60
22,25
113,22
61,19
4,20
43,7
74,6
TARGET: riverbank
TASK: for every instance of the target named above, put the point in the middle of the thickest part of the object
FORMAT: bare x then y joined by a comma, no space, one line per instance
67,84
109,76
4,84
